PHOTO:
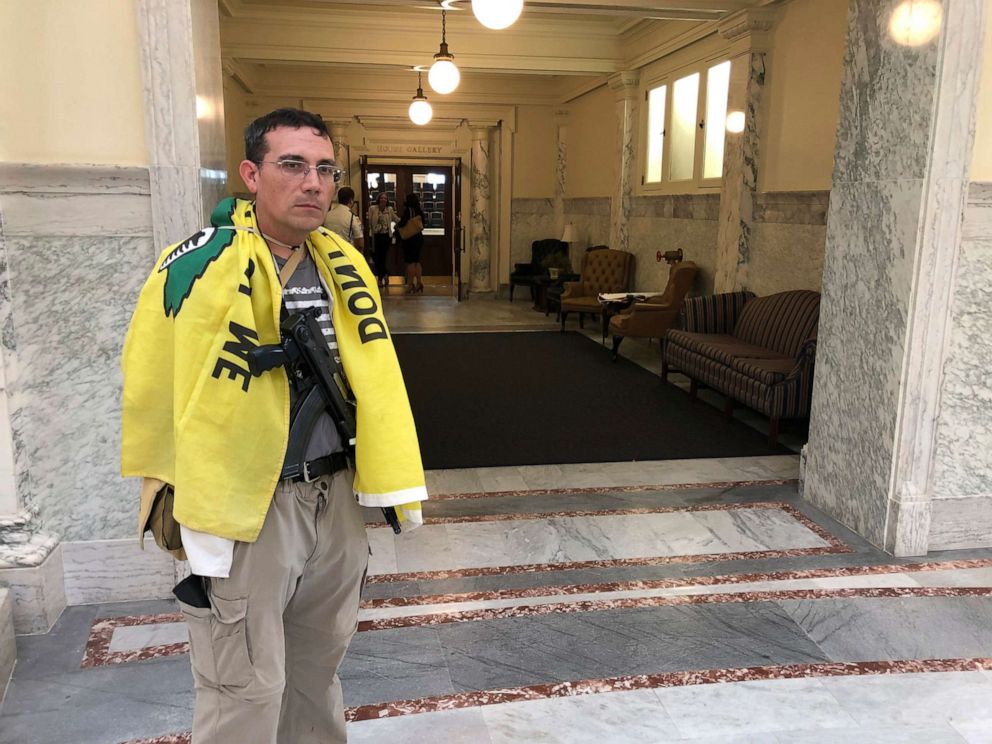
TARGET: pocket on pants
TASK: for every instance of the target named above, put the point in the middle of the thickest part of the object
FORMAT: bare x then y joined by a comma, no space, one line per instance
219,642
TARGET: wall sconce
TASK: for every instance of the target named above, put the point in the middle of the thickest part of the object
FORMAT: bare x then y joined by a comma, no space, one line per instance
735,122
497,14
443,76
915,22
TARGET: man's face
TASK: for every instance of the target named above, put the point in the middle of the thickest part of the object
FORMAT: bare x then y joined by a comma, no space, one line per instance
289,207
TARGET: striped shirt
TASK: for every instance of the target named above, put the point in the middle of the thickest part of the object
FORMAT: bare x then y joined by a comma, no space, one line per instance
303,291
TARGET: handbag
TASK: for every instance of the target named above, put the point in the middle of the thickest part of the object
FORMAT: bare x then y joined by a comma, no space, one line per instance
414,226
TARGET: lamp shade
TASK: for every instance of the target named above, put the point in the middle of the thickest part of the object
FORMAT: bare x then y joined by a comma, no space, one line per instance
421,112
497,14
570,235
443,76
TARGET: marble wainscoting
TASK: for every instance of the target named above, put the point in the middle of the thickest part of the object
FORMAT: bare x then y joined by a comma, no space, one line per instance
530,220
670,222
8,644
591,217
962,498
77,247
788,238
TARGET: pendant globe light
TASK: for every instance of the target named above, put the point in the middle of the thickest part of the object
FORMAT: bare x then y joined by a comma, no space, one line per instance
497,14
443,75
420,110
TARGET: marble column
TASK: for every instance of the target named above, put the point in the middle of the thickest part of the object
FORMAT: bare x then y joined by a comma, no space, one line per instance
625,87
184,113
748,33
342,150
561,170
904,140
480,242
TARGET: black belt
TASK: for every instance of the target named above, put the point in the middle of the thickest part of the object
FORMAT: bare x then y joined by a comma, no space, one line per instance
314,469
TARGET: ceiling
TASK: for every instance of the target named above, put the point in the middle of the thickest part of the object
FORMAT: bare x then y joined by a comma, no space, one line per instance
320,49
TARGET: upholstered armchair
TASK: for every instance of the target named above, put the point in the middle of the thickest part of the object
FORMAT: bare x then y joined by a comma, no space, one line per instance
602,271
527,274
655,316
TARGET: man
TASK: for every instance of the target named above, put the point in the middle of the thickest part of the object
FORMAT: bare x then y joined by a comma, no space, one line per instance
342,220
282,559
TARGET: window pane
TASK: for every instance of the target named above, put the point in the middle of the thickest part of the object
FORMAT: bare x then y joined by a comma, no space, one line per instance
656,132
717,88
685,97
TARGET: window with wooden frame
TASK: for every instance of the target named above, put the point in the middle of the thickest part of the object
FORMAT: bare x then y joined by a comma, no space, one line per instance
685,128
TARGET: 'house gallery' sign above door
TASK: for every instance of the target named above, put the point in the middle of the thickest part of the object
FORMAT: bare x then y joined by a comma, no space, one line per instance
410,149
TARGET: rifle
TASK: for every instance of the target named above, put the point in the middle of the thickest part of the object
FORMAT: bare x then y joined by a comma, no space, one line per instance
316,372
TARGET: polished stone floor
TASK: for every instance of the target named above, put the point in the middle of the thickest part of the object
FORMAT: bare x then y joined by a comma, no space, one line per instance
680,601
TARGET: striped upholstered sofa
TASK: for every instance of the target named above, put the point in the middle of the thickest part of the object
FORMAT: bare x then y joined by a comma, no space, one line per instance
758,351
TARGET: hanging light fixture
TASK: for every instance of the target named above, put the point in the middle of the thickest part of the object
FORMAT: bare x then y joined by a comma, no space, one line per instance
420,110
497,14
443,76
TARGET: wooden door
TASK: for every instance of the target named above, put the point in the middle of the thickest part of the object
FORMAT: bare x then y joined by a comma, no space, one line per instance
434,185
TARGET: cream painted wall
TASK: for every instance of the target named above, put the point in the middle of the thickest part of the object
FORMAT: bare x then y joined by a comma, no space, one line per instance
235,120
591,145
981,161
70,83
803,96
534,153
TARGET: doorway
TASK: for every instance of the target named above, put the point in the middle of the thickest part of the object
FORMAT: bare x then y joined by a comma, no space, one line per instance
438,188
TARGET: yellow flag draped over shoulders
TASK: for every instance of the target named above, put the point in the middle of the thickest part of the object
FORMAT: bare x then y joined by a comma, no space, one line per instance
194,417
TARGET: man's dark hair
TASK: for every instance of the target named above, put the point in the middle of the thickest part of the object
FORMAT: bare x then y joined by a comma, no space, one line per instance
346,195
255,145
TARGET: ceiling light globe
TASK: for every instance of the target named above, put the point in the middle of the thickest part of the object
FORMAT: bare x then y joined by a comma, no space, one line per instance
444,76
497,14
421,112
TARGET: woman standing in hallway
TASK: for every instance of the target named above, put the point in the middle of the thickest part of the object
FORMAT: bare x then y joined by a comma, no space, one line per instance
413,245
381,219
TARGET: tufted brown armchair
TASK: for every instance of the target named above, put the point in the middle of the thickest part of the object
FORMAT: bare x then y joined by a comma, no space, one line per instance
602,271
656,315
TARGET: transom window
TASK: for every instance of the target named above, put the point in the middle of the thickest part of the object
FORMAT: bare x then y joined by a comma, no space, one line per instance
685,130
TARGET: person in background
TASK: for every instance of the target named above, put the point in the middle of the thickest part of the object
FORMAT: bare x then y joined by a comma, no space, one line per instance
413,245
341,219
381,219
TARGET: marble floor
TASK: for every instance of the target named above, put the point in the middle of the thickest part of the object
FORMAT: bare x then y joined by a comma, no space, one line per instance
680,601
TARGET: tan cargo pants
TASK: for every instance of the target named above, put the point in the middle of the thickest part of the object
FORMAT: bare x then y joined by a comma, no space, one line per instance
265,654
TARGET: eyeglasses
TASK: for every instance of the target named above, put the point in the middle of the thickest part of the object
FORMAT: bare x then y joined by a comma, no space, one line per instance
299,169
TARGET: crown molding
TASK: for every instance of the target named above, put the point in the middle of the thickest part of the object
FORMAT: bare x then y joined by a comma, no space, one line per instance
625,84
672,45
751,24
582,89
237,72
402,122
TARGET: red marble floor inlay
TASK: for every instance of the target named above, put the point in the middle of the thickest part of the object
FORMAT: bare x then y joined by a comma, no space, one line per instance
97,651
834,545
615,489
458,573
514,517
647,584
667,679
628,603
638,682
